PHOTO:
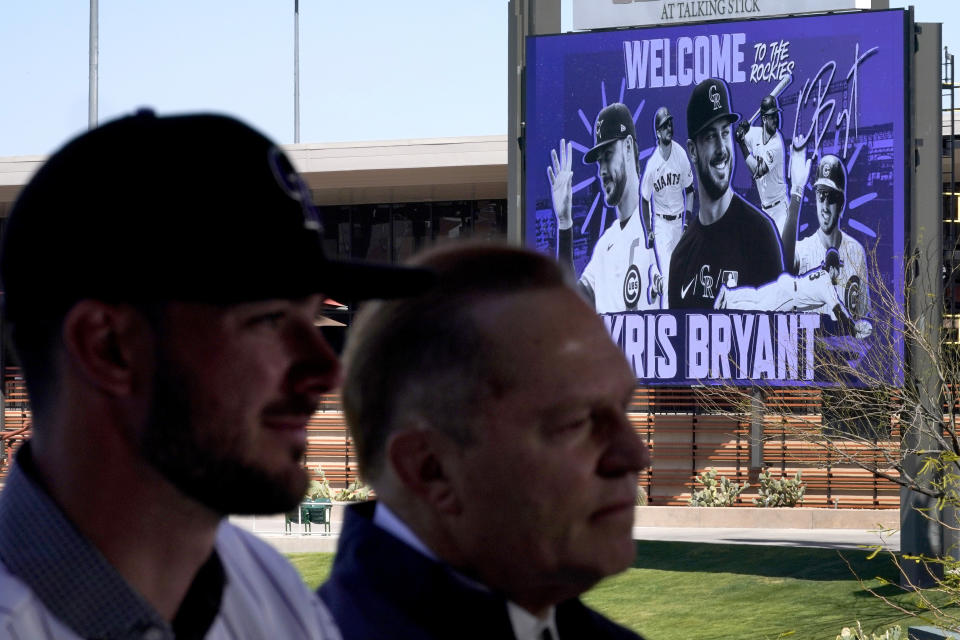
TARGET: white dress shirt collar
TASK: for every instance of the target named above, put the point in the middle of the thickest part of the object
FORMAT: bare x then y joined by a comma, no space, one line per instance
527,626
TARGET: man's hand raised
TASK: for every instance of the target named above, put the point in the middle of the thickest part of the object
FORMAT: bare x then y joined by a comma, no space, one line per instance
799,169
561,184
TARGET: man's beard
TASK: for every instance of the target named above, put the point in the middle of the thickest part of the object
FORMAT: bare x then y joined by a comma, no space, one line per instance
618,176
834,221
204,466
619,183
714,189
772,126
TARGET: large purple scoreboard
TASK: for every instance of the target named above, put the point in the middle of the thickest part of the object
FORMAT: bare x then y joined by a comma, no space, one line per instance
798,155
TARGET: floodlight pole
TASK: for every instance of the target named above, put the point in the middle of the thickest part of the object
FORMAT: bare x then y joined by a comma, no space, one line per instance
296,71
94,48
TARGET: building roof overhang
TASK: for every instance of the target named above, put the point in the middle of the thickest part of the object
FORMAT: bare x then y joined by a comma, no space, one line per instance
341,173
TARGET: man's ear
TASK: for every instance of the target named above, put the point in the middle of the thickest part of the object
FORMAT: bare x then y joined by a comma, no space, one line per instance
421,460
692,150
105,342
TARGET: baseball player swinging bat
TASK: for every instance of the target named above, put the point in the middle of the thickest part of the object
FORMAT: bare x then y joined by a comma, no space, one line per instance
777,90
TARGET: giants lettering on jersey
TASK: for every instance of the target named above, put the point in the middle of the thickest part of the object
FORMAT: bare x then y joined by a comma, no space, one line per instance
706,286
666,180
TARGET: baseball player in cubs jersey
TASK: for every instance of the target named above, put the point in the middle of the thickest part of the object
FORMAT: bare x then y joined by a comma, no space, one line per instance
817,290
623,273
830,187
763,151
621,270
668,183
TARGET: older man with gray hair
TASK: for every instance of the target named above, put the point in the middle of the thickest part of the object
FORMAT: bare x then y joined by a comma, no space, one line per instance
490,416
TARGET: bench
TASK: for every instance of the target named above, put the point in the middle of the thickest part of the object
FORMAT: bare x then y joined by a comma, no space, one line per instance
308,514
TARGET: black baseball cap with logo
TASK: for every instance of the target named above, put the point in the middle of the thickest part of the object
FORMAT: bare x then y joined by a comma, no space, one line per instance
709,101
197,208
614,122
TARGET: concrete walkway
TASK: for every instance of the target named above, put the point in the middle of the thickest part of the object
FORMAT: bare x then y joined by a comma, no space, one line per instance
852,534
823,538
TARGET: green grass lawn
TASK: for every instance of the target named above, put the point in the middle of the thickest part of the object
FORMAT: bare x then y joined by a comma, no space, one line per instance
681,591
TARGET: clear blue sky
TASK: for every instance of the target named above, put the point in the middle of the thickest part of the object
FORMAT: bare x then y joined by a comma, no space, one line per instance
371,70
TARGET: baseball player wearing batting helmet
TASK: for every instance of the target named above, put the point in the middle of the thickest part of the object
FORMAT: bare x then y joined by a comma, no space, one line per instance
831,195
623,273
763,152
667,185
728,242
819,289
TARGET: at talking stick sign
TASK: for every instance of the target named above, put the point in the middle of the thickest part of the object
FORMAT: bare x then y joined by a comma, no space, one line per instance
730,196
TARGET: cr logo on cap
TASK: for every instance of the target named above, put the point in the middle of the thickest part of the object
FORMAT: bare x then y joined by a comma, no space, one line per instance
293,185
599,125
714,94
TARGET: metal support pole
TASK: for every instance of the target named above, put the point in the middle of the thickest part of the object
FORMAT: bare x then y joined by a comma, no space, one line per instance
525,17
94,48
296,71
921,523
756,429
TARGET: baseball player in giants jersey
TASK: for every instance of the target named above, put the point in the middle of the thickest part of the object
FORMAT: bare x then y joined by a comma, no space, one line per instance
668,183
622,274
763,152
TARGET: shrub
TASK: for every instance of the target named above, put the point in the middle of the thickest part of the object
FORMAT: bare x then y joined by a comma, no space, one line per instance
779,492
642,497
893,633
716,492
319,488
355,492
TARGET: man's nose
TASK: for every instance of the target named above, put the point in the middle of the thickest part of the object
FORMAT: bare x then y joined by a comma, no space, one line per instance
316,367
625,451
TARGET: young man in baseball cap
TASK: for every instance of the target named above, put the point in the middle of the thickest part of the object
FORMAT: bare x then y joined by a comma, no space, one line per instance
162,277
729,242
623,273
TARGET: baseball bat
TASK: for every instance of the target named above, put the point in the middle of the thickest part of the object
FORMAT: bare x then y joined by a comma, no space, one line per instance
777,90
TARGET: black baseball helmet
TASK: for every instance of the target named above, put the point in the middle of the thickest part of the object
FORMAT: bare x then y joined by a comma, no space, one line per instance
614,122
710,101
769,105
662,116
831,174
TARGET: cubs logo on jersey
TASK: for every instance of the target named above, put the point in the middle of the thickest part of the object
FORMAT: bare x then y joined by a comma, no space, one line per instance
631,287
853,297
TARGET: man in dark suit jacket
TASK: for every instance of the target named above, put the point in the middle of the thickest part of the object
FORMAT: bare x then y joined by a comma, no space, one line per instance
490,416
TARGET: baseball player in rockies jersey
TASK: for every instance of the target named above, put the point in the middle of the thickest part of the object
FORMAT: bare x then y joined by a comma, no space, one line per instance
729,242
830,187
817,290
763,152
668,183
622,274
